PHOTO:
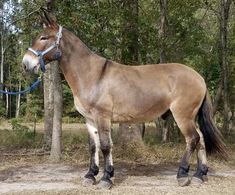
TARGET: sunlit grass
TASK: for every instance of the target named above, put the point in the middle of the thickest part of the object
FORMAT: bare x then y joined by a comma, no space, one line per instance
76,148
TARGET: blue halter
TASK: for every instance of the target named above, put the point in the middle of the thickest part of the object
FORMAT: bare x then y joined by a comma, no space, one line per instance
41,54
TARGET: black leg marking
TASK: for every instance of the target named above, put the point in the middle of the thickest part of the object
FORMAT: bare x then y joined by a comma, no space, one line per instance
182,175
183,172
108,167
108,174
201,172
106,148
94,169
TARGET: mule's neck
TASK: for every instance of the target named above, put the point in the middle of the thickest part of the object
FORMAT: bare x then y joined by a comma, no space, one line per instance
79,64
74,52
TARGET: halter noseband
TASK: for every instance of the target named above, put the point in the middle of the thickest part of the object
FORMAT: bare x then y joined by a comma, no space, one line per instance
40,53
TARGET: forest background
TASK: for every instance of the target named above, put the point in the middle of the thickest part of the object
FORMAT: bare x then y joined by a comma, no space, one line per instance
198,33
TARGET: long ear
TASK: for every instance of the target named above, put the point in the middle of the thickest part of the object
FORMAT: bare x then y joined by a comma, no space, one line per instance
47,18
44,21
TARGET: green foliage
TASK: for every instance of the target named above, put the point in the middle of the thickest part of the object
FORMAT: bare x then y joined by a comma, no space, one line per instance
192,39
22,131
2,110
18,127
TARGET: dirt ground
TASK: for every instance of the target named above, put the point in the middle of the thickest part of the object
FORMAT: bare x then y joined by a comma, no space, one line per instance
130,178
34,175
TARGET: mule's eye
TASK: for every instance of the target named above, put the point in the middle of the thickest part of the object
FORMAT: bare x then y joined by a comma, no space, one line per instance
43,38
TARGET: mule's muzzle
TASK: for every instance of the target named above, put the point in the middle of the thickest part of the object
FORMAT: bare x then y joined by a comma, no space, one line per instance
30,64
26,70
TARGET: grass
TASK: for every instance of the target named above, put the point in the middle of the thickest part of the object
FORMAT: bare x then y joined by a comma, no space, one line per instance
18,139
76,149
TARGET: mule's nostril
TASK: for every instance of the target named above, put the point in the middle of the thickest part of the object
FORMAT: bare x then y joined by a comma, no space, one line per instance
25,68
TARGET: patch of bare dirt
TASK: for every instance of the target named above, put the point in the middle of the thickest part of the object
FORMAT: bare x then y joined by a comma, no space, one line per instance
130,178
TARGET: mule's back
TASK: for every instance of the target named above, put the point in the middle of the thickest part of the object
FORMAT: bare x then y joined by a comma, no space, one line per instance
144,92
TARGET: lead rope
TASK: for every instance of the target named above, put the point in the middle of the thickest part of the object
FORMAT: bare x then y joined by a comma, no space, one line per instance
28,89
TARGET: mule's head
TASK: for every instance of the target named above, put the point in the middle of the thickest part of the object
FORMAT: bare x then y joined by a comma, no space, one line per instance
45,47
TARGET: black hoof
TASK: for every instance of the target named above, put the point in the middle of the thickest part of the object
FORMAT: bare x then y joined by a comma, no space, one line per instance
105,184
89,181
183,181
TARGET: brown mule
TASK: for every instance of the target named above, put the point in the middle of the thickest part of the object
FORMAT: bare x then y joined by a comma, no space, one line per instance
105,91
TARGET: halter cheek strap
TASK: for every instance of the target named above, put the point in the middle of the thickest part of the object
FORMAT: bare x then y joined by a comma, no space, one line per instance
41,54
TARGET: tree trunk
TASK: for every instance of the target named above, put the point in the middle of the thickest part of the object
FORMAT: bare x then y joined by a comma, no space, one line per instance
56,93
2,63
163,30
224,16
56,146
48,107
18,102
217,97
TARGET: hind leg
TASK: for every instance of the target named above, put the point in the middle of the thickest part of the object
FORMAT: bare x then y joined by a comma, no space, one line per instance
188,129
201,174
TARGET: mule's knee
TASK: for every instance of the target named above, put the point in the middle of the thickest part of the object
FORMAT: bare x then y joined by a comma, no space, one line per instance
105,148
105,142
92,146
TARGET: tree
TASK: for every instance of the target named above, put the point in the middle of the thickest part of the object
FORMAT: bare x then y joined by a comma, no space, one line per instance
56,146
223,56
190,36
222,92
163,30
48,107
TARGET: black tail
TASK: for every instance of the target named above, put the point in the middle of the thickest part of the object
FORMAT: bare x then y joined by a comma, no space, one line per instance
212,136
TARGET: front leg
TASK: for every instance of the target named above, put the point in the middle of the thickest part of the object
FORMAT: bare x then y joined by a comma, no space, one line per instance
94,147
106,144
